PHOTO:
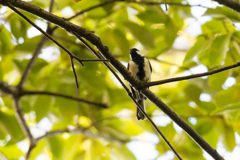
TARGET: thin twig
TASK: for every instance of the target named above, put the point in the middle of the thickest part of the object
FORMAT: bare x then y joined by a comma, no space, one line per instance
51,6
165,5
21,120
168,63
31,62
154,125
129,93
74,72
91,8
94,60
68,41
84,132
50,38
35,54
30,93
138,2
154,83
98,56
191,132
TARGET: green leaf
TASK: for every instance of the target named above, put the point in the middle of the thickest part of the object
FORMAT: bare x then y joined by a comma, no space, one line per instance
12,152
213,27
195,50
18,26
223,12
203,57
67,108
212,137
229,96
218,50
9,125
203,126
229,138
40,148
228,134
41,107
29,45
116,41
55,146
217,80
153,14
5,40
143,35
193,92
208,106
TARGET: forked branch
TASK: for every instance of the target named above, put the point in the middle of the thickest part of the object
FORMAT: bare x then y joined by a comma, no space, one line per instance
130,94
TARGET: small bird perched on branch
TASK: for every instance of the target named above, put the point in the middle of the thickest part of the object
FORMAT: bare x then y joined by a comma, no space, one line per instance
140,68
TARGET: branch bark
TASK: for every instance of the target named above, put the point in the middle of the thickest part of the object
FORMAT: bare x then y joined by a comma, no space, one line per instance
21,120
31,93
230,4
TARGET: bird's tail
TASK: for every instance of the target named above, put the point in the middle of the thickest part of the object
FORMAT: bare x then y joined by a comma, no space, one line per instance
140,115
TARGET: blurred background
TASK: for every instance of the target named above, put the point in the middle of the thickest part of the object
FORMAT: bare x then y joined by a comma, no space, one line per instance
193,36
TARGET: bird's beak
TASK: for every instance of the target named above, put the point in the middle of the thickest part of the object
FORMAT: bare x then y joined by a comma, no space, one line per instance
130,51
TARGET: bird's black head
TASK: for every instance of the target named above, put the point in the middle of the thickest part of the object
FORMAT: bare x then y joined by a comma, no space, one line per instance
135,53
136,56
133,50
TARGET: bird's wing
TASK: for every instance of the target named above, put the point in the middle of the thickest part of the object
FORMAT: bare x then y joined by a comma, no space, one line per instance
150,66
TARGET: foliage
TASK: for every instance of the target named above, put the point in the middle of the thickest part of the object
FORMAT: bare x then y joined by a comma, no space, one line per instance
121,26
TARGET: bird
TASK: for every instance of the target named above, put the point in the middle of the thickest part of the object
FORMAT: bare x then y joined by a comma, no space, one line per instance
140,68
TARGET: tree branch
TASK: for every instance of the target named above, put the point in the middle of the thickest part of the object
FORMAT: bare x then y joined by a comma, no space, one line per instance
84,132
181,123
31,93
7,89
21,120
15,92
193,76
230,4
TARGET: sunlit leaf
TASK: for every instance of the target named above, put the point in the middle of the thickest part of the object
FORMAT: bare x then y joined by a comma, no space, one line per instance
5,41
195,50
9,125
217,80
229,96
218,50
223,12
141,34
